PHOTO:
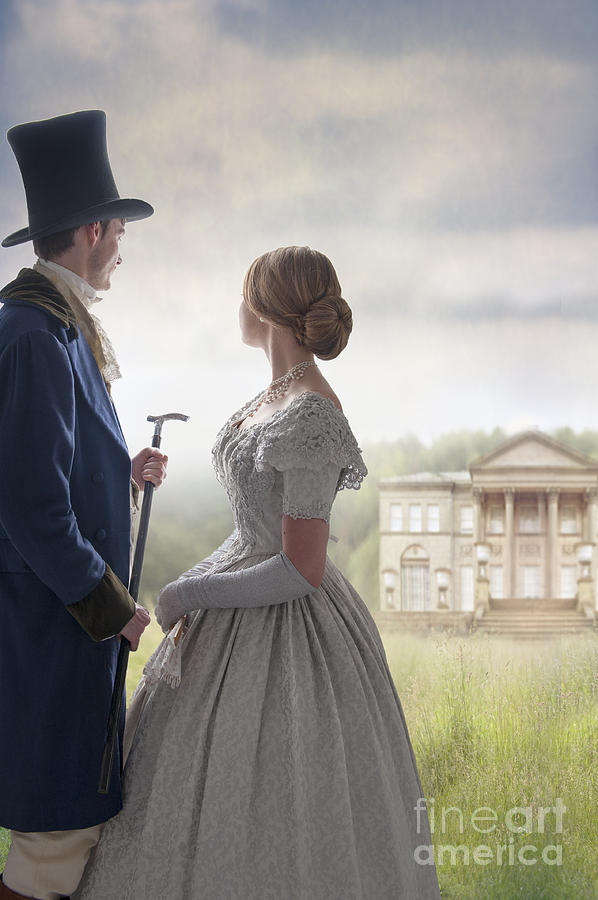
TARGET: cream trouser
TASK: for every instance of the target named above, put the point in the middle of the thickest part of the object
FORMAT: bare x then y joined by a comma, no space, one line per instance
48,864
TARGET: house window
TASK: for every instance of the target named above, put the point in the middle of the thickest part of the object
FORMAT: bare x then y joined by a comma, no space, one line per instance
496,582
415,517
415,587
568,520
495,524
396,517
568,582
433,518
467,594
529,519
467,520
531,582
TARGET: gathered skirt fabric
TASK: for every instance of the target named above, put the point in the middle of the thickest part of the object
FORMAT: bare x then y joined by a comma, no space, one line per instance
280,768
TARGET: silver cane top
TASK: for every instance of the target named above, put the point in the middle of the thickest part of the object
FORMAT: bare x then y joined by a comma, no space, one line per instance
159,420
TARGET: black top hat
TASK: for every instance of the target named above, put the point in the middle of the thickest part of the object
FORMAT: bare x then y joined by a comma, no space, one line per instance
67,176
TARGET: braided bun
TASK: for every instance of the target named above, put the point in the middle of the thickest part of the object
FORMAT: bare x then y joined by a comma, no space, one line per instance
297,288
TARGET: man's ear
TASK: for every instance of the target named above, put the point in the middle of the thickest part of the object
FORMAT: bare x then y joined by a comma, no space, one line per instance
93,233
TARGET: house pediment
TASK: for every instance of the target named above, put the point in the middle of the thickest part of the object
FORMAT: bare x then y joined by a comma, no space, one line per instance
533,449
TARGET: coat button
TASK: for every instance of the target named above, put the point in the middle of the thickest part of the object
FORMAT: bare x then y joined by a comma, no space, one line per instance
97,477
100,534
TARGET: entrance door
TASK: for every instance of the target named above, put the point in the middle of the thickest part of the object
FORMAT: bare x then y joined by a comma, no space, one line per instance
531,582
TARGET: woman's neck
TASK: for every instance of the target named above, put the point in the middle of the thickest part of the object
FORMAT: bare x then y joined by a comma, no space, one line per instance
283,356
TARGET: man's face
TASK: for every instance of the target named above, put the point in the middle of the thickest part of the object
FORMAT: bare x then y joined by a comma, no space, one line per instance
105,255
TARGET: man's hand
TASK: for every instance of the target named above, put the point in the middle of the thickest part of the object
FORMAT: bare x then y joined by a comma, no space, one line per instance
149,465
136,626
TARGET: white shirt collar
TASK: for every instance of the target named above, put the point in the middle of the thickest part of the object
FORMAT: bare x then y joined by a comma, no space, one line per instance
78,285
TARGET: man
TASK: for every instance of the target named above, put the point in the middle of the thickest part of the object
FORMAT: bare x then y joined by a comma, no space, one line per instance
65,509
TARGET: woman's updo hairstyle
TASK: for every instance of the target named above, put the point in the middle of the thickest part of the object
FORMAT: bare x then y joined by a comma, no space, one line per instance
297,288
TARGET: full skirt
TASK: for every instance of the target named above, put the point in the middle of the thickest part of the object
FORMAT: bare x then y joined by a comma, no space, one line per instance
279,769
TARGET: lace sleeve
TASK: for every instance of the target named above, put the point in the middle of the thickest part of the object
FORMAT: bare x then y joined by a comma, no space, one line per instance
313,446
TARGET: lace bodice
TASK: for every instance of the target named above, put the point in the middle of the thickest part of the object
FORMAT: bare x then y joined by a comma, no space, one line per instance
294,462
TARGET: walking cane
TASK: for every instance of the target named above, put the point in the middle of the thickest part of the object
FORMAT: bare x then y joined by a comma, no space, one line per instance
123,653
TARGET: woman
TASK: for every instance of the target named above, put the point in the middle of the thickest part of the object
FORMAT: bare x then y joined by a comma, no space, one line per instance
280,767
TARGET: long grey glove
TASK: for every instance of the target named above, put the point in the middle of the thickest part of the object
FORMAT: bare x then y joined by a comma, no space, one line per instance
276,580
204,565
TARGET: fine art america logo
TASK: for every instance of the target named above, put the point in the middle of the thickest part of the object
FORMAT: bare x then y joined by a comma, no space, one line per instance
484,820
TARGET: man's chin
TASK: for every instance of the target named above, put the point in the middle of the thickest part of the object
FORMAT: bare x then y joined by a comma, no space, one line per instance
100,285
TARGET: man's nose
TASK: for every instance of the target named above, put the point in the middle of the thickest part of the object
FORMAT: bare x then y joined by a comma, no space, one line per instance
119,260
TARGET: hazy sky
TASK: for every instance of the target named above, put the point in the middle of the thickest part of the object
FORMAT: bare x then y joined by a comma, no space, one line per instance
444,155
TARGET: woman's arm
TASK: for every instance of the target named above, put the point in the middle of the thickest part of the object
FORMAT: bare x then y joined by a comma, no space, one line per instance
304,541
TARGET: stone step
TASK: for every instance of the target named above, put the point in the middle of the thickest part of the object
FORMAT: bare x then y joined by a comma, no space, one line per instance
508,630
527,603
536,617
525,629
543,626
530,617
507,626
535,623
524,624
531,635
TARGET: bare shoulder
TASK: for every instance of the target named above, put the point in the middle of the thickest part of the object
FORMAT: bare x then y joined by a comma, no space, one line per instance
330,395
317,383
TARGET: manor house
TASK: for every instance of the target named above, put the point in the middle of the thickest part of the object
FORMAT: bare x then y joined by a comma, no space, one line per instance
518,528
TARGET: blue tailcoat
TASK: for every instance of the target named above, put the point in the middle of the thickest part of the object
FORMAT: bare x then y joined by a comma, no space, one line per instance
64,512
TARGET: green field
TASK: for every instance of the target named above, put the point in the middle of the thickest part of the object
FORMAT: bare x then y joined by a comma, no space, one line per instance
498,725
503,724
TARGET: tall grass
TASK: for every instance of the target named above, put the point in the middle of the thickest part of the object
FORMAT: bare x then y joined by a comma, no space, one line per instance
504,724
498,724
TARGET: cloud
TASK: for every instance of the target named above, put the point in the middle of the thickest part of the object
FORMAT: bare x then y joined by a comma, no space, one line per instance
422,139
565,28
478,276
442,154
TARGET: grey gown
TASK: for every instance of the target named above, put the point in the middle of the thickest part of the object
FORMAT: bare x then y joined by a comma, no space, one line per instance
281,767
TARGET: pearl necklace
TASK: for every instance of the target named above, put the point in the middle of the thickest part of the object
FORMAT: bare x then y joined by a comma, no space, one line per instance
279,387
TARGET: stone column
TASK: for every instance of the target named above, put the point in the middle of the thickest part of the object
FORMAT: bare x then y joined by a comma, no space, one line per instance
509,558
552,544
478,516
589,528
592,495
543,528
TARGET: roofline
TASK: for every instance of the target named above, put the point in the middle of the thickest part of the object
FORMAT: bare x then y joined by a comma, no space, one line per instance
539,436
